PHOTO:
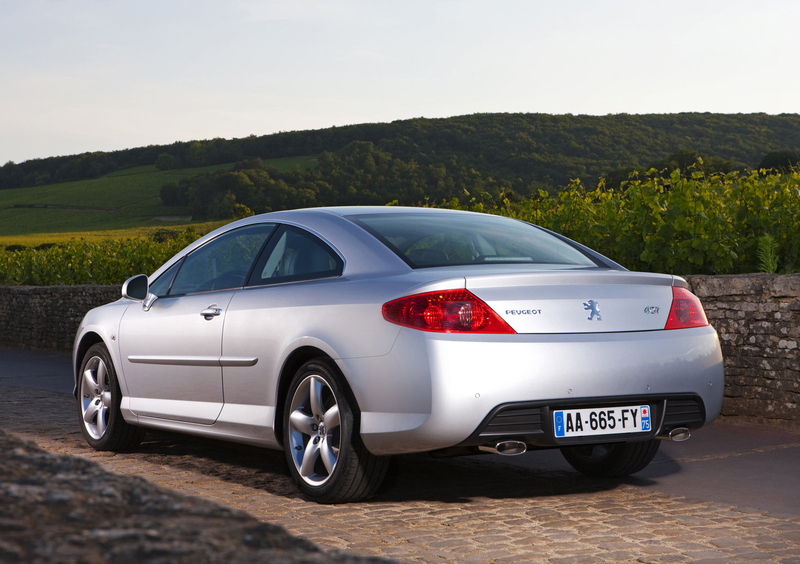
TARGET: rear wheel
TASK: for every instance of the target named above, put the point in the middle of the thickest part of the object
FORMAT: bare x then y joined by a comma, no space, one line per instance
326,456
99,397
611,460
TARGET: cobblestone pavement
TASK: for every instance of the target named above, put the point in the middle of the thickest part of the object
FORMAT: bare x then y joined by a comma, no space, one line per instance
434,510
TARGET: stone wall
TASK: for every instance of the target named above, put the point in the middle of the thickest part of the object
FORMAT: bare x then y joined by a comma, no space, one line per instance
47,317
757,317
64,509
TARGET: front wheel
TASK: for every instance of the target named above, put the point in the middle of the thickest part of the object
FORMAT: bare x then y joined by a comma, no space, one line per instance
326,456
611,460
99,397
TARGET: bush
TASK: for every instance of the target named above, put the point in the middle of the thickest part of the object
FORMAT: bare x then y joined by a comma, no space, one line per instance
172,195
782,161
165,161
678,225
83,262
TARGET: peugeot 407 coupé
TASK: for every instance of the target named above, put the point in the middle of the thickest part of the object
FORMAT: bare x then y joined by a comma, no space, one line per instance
346,335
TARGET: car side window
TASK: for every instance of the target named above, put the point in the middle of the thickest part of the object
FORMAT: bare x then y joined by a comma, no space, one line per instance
161,286
222,263
295,255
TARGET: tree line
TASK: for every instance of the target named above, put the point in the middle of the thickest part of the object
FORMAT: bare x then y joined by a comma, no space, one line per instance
530,151
363,174
358,174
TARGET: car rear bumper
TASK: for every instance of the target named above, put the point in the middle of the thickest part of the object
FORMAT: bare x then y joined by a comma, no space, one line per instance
532,422
439,390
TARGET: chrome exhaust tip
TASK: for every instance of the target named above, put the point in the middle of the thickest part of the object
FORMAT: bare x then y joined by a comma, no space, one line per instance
506,448
678,435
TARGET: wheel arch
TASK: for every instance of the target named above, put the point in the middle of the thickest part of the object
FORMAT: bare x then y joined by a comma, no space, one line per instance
88,340
293,362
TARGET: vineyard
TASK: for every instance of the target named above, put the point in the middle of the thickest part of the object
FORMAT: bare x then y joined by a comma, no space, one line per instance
682,224
722,224
89,262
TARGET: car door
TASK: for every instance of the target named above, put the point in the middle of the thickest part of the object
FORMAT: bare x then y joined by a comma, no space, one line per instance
172,352
287,283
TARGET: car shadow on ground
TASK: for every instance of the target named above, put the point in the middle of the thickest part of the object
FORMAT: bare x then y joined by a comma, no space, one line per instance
412,477
418,477
459,480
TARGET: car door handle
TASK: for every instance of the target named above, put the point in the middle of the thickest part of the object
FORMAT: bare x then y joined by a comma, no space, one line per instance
210,312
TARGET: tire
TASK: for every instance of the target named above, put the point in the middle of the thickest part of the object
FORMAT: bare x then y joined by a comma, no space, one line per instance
323,449
99,397
611,460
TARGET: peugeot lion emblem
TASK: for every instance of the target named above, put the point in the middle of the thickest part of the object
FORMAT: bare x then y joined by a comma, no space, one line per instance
593,307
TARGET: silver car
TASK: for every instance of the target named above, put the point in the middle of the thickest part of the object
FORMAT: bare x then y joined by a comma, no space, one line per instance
345,335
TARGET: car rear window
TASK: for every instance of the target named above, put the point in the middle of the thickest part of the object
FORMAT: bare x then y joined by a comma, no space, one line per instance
445,239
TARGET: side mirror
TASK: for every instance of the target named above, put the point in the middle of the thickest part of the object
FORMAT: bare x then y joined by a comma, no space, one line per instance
135,288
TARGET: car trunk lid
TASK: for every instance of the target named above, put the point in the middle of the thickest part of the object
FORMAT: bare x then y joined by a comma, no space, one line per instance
577,302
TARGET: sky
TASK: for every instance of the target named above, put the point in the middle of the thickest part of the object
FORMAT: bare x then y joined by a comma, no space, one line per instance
101,75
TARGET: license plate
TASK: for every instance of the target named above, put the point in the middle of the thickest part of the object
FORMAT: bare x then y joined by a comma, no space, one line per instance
601,421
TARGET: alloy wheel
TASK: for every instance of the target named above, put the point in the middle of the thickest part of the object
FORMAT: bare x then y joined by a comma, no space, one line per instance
314,430
96,401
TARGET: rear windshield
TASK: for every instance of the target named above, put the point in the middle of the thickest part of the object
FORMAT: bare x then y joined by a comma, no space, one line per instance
445,239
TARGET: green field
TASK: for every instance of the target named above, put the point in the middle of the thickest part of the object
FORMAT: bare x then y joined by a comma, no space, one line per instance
123,204
36,239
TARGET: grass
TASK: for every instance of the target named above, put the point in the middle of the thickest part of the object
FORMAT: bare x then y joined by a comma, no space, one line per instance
36,239
120,205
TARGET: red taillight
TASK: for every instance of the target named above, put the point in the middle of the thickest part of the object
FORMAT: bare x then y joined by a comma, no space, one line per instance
448,311
686,310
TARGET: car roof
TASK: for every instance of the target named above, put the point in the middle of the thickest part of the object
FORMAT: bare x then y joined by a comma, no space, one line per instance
331,225
367,254
343,211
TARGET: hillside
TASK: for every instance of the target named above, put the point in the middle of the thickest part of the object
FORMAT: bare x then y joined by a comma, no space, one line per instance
125,199
528,151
